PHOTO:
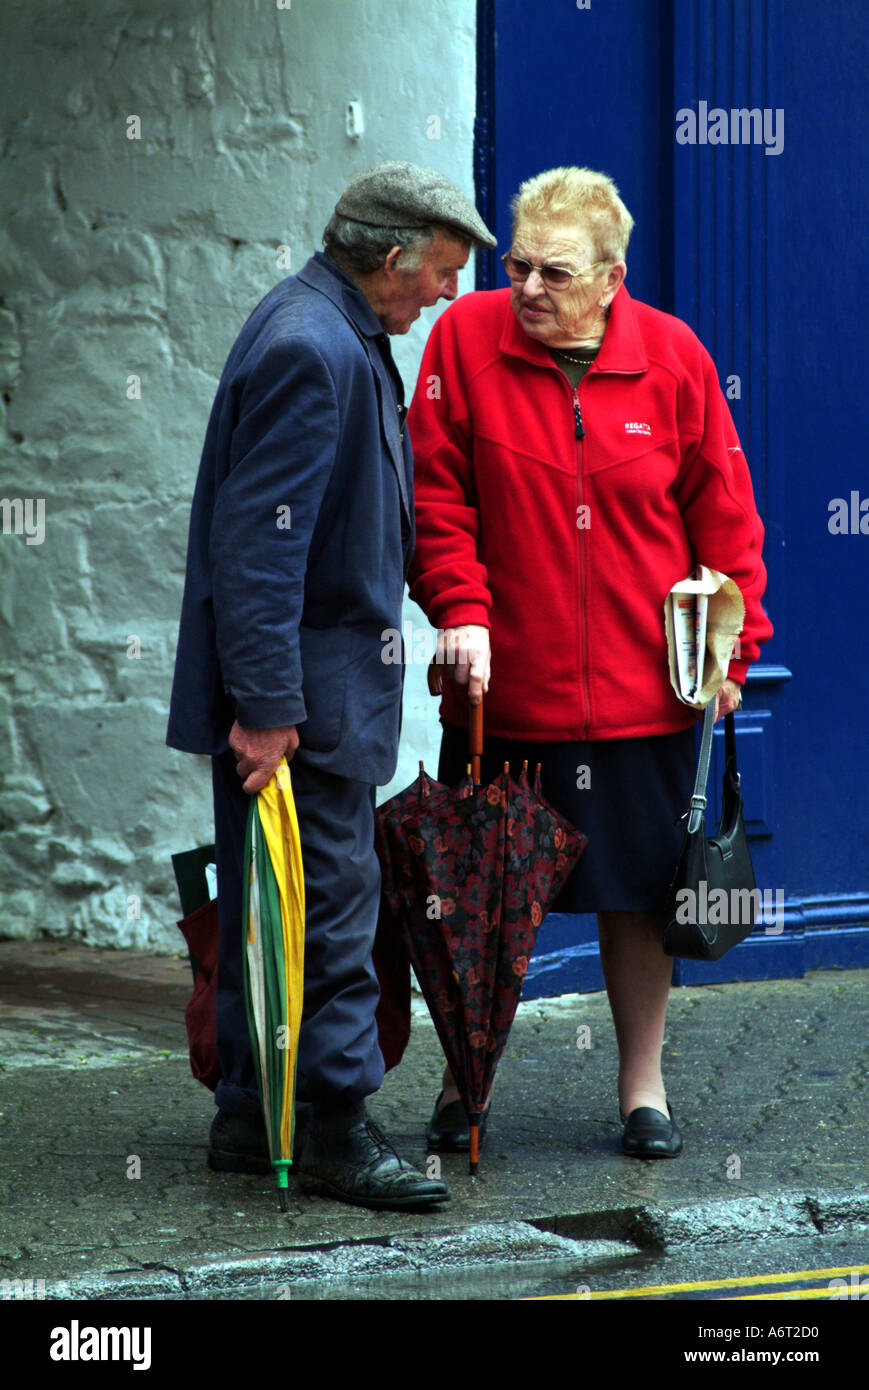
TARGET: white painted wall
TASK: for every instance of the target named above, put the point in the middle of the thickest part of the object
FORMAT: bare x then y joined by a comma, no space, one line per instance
140,258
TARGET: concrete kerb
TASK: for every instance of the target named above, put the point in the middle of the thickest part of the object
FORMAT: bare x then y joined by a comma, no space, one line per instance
518,1249
764,1216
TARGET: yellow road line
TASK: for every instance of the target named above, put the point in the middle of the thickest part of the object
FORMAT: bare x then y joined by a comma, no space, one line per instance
792,1293
747,1281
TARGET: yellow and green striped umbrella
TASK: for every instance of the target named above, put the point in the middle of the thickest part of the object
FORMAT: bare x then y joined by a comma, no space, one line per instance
274,958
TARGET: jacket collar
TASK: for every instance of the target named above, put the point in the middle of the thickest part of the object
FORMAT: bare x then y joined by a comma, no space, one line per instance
622,348
325,275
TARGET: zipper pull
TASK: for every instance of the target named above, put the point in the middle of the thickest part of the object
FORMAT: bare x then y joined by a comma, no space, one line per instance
579,431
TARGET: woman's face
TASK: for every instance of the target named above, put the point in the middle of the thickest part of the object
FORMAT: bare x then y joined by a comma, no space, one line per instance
559,318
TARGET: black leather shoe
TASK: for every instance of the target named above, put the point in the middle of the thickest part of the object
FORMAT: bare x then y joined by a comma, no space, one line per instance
238,1144
649,1134
356,1163
448,1130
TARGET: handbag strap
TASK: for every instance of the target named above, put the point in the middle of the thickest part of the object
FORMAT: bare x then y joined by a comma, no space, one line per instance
730,743
697,806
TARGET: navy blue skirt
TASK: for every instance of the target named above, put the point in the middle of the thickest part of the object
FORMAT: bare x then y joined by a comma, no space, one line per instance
627,795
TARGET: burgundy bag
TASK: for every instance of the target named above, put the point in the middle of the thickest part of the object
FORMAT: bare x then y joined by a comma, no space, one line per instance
201,931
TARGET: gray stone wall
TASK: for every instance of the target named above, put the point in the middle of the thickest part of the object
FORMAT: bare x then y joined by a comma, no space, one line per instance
164,163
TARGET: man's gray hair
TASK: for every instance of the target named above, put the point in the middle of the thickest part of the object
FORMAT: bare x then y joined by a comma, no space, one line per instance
363,248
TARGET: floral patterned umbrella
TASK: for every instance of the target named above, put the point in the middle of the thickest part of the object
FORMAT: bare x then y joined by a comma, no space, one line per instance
474,872
389,957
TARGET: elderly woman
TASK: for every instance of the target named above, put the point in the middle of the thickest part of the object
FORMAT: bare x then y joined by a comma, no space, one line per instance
575,458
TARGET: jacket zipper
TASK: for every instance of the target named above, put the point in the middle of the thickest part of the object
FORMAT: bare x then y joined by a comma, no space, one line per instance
579,435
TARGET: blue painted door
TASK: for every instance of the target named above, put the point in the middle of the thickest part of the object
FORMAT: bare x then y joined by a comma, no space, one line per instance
734,130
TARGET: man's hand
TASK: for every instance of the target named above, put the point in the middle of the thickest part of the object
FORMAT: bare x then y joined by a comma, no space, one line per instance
728,699
258,752
464,654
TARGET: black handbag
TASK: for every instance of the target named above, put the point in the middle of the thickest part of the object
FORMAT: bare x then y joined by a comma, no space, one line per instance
713,899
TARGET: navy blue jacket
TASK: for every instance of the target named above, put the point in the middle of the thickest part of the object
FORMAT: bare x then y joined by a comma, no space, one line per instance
301,534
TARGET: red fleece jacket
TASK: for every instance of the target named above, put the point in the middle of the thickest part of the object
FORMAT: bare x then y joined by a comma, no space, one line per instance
566,548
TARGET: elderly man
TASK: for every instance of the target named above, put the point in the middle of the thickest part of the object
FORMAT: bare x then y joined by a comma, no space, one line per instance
300,537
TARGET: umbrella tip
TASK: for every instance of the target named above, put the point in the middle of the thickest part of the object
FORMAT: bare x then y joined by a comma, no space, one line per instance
282,1167
474,1136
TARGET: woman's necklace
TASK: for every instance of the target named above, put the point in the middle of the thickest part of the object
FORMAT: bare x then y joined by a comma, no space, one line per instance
579,361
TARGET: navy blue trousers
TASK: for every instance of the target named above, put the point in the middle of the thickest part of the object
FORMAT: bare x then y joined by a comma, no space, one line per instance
339,1055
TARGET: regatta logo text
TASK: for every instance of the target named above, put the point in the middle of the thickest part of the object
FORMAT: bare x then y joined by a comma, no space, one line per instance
75,1343
637,427
738,126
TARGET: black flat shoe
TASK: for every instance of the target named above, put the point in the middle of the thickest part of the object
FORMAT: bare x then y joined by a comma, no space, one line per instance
448,1130
649,1134
358,1164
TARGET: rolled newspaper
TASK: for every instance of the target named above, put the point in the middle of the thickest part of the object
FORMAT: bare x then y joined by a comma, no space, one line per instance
703,617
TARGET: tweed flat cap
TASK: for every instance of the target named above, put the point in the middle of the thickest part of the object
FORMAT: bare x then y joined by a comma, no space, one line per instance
407,195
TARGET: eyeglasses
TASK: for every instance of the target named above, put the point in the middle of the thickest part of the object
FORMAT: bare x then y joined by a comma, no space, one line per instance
554,277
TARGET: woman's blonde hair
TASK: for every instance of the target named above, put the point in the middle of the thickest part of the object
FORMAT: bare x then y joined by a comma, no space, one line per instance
582,195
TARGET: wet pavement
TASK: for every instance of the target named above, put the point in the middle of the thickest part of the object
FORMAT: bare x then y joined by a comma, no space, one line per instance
105,1191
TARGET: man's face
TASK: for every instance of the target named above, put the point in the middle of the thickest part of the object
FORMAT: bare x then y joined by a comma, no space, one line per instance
405,292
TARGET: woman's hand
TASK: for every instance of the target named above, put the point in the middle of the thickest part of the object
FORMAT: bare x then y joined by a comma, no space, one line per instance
464,652
728,699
